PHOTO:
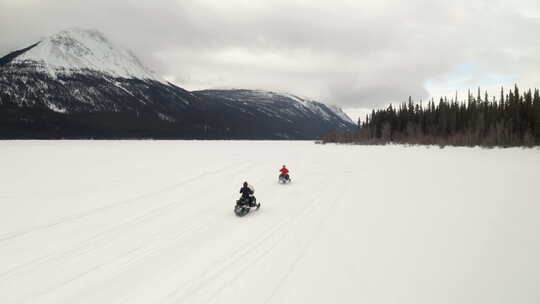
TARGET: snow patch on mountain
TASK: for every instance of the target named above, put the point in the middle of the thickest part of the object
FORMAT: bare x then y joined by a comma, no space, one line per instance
339,112
56,108
82,51
315,106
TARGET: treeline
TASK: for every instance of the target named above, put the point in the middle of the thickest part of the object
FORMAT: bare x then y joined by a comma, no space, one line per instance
511,120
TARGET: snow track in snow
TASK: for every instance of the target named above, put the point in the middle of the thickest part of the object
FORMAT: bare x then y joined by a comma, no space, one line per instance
153,222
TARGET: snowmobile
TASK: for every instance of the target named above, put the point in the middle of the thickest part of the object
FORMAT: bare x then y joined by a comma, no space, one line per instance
244,205
284,178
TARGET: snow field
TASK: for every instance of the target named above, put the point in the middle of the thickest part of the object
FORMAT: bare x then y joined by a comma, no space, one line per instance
153,222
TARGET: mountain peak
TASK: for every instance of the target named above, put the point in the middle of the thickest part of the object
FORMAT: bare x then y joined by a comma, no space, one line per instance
81,51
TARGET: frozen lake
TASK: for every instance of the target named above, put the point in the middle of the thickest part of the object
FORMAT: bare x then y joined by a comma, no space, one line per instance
153,222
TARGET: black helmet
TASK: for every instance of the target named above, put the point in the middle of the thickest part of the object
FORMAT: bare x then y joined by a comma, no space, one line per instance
245,184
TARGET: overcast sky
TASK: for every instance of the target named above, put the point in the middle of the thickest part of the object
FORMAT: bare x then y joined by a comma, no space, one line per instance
355,54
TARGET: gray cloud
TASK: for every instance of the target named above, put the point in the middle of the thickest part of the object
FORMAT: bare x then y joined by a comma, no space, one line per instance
352,53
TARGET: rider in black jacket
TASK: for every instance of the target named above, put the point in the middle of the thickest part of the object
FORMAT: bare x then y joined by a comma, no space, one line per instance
247,194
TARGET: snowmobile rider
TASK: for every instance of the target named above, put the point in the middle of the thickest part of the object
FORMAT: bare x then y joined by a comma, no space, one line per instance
247,194
284,172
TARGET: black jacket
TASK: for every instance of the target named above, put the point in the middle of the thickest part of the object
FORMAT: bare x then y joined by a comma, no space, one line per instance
246,192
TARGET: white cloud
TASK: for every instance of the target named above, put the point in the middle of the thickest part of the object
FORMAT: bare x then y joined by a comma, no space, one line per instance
357,54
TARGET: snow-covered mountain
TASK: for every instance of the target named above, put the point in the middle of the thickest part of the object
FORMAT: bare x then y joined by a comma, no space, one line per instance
77,83
279,103
83,51
303,115
81,71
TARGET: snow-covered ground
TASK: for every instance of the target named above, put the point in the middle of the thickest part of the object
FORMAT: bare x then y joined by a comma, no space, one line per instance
152,222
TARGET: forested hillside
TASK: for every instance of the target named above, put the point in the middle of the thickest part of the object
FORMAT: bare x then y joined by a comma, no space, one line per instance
512,119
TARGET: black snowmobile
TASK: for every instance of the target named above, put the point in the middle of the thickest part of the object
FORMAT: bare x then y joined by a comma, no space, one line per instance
244,205
246,201
284,178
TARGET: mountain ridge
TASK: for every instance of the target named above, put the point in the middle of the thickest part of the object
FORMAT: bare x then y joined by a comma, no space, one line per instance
78,79
265,96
